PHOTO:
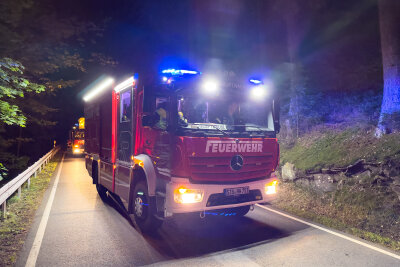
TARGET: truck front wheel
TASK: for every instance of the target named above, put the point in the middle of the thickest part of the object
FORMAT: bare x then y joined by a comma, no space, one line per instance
144,209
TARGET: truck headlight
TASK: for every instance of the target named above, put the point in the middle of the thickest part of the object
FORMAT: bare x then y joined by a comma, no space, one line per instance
270,188
184,195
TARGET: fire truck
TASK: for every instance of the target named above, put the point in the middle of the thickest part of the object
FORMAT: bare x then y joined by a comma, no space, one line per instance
183,142
77,138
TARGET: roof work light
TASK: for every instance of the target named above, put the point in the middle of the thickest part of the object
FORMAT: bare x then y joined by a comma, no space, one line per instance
125,84
96,90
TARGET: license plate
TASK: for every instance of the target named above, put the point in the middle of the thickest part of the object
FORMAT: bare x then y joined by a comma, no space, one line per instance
236,191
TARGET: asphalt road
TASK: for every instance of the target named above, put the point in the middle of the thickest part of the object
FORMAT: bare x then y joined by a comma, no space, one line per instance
82,230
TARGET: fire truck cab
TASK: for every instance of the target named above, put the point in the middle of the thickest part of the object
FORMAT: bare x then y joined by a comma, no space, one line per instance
183,142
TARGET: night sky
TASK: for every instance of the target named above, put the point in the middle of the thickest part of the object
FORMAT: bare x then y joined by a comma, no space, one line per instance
339,50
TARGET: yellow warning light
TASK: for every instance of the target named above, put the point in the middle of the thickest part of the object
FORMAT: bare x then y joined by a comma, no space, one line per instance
81,123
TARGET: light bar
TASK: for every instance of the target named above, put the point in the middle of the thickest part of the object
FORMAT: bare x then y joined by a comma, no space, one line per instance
124,84
179,72
98,89
255,81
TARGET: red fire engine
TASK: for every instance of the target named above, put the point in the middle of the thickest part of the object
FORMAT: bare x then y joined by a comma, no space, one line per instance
77,138
184,143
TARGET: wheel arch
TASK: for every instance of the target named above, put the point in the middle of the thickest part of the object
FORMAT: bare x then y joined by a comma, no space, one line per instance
149,172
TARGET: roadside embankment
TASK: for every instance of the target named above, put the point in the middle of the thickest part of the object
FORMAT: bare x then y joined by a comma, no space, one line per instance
346,179
20,213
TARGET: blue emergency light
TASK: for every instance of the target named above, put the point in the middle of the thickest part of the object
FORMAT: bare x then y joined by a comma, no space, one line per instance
175,72
255,81
171,75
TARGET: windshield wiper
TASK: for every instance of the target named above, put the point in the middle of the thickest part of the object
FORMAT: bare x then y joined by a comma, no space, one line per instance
253,126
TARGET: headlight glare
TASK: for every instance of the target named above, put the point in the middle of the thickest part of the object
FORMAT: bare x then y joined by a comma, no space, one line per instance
184,195
270,188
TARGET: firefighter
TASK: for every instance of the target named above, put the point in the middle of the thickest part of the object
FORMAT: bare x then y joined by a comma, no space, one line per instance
232,115
161,111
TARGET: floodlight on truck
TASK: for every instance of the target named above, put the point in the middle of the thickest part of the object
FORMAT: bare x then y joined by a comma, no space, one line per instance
125,84
98,89
258,93
210,87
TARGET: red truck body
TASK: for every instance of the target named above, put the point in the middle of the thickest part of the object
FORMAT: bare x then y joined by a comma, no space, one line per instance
160,172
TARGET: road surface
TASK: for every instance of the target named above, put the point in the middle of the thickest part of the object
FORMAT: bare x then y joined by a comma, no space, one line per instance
82,230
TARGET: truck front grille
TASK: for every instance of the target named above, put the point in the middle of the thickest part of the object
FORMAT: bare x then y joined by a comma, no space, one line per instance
218,170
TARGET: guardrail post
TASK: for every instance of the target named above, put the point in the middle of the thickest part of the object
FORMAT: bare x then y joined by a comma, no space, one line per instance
35,174
19,192
29,182
4,208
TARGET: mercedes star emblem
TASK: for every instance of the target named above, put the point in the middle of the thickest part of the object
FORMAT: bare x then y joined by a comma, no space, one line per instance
236,162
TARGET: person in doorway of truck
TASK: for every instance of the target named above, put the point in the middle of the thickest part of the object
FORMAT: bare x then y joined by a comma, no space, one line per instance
161,111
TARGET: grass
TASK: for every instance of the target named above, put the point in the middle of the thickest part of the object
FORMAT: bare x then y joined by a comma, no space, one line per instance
370,213
339,148
20,213
361,207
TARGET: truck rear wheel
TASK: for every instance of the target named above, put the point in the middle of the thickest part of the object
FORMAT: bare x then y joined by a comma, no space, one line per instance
144,209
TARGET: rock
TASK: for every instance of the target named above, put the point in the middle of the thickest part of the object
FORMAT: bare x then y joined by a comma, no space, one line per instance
396,189
324,182
288,172
303,183
355,168
364,177
391,168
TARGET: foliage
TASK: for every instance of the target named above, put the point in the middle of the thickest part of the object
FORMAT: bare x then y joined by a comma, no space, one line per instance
350,109
20,214
12,85
368,212
391,122
42,46
328,147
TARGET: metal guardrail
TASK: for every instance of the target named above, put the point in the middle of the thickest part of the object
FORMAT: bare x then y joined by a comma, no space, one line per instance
15,184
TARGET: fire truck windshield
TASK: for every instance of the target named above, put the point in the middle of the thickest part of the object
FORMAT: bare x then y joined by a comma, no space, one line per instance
224,115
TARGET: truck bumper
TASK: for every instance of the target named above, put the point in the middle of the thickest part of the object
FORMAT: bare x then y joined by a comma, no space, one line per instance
78,151
214,195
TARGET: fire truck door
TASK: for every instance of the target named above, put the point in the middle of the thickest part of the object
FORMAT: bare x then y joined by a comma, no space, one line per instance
125,130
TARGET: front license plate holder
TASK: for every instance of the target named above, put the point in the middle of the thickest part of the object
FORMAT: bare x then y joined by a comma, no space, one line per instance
236,191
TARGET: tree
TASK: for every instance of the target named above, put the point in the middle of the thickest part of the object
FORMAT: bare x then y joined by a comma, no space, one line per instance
389,22
55,46
13,85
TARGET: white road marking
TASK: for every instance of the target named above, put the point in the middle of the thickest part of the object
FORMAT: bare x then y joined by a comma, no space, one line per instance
34,252
334,233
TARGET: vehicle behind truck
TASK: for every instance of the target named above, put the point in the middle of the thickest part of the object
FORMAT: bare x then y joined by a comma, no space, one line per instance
183,142
76,141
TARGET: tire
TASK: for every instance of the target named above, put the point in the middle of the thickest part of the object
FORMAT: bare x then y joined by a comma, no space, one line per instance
144,209
102,192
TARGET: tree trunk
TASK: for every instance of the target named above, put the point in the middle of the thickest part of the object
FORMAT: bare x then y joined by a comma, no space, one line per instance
389,22
296,26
